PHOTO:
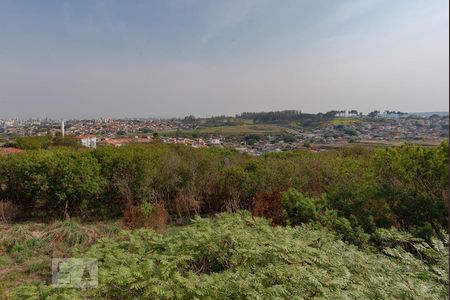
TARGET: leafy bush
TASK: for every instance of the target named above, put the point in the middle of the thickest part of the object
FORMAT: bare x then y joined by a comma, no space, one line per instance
414,182
343,227
299,209
129,173
58,182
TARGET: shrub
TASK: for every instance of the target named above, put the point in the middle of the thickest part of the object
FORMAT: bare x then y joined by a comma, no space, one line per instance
348,232
413,180
300,209
235,188
130,173
60,182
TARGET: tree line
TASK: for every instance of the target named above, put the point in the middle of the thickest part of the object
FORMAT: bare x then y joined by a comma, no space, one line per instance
294,116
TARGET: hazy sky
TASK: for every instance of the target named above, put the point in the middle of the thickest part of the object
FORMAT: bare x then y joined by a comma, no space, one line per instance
169,58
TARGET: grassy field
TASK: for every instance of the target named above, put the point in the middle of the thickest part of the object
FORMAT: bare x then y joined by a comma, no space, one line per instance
26,249
344,121
379,143
243,129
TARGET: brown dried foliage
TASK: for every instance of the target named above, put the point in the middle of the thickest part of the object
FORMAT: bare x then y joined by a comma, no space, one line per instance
269,205
135,217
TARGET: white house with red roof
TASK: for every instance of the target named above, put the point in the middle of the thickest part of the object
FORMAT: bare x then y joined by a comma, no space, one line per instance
89,141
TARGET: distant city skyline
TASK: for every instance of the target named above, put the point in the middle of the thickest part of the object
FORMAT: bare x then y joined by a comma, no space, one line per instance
65,119
92,59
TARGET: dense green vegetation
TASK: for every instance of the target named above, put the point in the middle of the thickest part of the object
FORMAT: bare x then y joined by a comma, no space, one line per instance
405,187
355,222
240,257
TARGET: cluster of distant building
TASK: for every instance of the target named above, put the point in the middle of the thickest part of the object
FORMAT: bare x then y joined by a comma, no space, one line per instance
91,141
434,128
99,127
414,129
119,132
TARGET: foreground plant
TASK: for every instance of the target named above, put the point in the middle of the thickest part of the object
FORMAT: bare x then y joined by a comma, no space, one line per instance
235,256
